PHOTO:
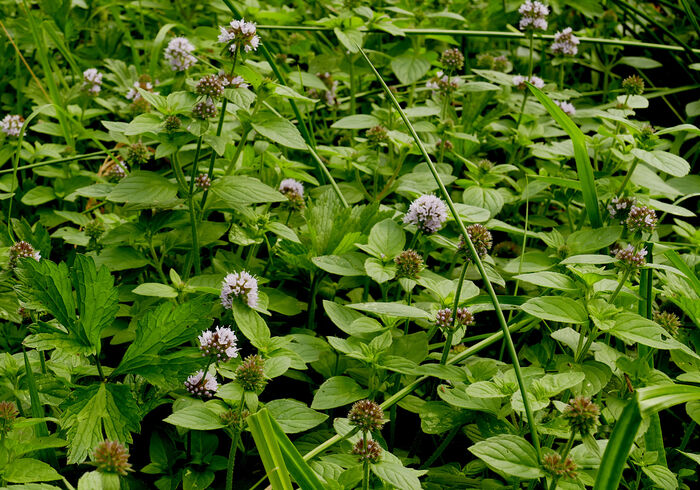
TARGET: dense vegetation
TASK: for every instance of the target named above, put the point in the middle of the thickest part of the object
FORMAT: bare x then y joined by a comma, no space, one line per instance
349,244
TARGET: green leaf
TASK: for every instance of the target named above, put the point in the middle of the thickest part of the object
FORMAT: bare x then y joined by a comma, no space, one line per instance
397,475
336,392
397,310
583,163
349,264
635,329
509,454
98,412
163,328
279,130
547,279
379,270
664,161
240,191
386,239
155,289
143,187
28,470
120,258
196,417
356,121
586,241
661,476
251,324
38,195
639,62
690,275
410,67
294,416
556,308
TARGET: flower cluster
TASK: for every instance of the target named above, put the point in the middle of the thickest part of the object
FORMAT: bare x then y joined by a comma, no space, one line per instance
210,86
233,419
200,384
240,35
443,318
21,250
239,285
294,191
250,374
567,107
205,109
554,465
490,62
409,263
630,257
428,213
202,181
179,54
117,169
94,229
111,457
641,218
619,208
330,95
172,123
533,16
452,59
144,83
377,135
232,81
371,453
8,414
633,85
220,343
138,153
11,124
92,82
582,415
442,83
366,415
519,81
444,144
565,43
669,321
480,237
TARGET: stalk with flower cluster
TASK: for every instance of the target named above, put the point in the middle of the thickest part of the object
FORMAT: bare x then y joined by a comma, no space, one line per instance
533,19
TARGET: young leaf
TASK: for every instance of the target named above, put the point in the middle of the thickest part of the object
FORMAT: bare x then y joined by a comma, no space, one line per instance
509,454
336,392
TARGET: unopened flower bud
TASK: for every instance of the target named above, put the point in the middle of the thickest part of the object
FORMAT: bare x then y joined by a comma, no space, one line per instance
366,415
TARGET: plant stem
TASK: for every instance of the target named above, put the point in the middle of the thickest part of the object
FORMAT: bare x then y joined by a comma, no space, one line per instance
619,286
628,175
193,216
441,448
365,464
234,447
450,333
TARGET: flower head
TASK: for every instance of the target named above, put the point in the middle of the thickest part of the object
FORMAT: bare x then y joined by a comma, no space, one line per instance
565,43
554,465
202,181
239,285
172,123
179,54
452,59
8,414
250,374
442,83
220,343
428,213
619,207
409,263
377,135
234,420
567,107
21,250
200,384
669,321
630,257
205,109
443,318
367,415
11,124
633,85
144,83
117,169
519,81
92,82
641,218
533,16
94,229
480,237
371,453
500,63
210,86
138,153
238,35
232,81
582,415
111,457
294,191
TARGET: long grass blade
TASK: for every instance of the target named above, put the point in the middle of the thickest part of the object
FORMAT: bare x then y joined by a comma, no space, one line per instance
41,428
583,163
477,260
269,450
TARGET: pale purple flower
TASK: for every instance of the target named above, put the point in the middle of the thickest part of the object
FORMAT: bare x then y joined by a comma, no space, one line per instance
641,218
220,343
202,385
428,213
293,187
11,124
630,257
621,205
231,81
240,35
533,15
565,43
179,54
133,93
92,81
519,81
239,284
443,83
567,107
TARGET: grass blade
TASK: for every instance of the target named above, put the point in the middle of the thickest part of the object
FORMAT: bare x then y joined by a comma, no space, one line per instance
676,260
41,428
583,163
157,48
477,260
269,450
